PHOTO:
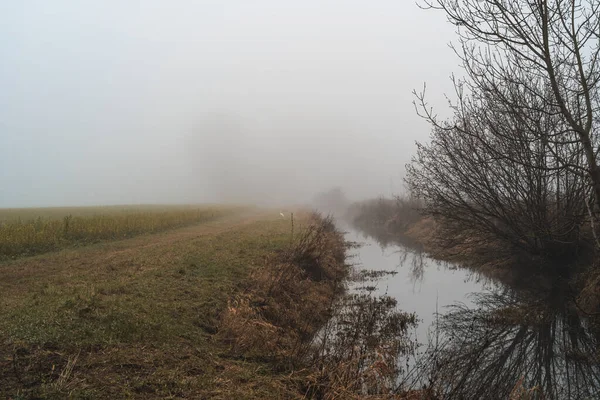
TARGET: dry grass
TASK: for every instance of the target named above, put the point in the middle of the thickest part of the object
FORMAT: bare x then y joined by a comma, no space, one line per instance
33,231
358,354
289,298
330,344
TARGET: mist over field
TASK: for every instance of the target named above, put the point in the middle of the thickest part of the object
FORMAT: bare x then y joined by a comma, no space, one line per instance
268,102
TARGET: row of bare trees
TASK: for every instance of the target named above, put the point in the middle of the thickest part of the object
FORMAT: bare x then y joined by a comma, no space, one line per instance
518,160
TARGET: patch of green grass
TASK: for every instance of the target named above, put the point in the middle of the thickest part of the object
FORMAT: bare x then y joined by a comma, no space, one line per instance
140,316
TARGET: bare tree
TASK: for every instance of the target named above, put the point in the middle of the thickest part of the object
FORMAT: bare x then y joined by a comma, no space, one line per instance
525,128
543,46
488,173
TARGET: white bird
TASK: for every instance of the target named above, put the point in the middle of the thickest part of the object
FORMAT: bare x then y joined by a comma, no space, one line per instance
282,216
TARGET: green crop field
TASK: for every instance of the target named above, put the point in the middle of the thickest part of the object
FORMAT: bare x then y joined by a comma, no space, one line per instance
29,231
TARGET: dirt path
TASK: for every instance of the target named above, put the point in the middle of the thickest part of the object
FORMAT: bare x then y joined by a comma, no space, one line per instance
128,256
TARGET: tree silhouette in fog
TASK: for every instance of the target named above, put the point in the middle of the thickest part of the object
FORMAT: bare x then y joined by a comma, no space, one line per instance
518,160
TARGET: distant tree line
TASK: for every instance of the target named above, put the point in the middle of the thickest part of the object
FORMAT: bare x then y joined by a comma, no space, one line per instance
517,162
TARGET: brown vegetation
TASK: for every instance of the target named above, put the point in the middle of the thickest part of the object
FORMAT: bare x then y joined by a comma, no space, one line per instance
296,314
289,298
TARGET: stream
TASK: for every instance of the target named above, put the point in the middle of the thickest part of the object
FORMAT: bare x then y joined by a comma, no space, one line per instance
480,339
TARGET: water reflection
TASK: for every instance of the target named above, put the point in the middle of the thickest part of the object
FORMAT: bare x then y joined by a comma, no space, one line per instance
411,255
514,341
504,342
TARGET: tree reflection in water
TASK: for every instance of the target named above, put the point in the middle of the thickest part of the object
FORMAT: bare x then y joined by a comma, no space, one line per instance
530,338
511,339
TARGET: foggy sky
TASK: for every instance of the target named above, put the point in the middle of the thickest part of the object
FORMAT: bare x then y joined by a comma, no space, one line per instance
268,101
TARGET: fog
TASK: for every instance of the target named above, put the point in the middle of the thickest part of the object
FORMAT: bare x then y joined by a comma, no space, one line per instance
268,101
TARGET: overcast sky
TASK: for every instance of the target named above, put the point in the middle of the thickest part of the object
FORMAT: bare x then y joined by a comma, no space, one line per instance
119,102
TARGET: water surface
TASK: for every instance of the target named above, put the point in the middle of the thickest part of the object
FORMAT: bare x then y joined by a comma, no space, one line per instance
420,284
482,339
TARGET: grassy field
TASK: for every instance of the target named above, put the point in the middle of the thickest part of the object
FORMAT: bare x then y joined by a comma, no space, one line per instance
29,231
134,318
227,308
